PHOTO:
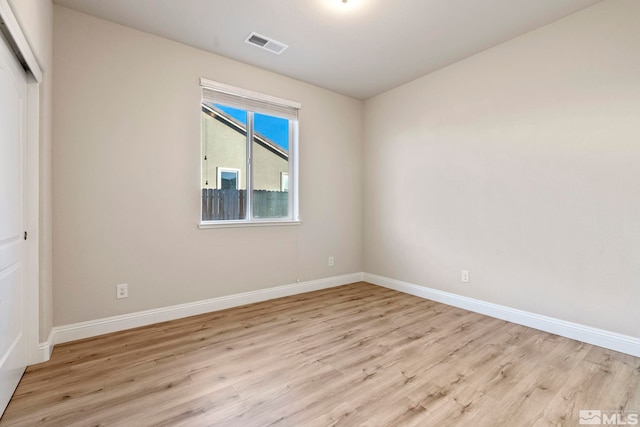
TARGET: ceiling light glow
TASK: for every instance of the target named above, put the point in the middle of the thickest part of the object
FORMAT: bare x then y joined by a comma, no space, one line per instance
342,6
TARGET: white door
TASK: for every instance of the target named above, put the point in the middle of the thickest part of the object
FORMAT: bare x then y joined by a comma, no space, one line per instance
13,104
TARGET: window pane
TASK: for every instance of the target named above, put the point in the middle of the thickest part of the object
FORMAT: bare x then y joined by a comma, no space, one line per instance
224,171
270,162
228,179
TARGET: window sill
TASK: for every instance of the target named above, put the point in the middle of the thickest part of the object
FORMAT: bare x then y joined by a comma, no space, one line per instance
242,224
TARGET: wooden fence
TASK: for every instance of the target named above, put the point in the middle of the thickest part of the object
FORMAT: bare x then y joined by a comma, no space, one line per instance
231,204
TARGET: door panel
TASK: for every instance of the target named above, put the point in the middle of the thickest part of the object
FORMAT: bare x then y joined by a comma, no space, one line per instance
13,89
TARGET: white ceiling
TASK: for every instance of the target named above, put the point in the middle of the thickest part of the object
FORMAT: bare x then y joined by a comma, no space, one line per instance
360,49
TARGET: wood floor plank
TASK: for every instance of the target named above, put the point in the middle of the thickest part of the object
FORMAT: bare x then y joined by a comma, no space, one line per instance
355,355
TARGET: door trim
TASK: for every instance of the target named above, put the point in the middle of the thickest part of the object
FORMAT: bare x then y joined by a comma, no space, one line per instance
17,41
32,217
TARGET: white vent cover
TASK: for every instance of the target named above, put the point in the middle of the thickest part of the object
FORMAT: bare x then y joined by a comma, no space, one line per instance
266,43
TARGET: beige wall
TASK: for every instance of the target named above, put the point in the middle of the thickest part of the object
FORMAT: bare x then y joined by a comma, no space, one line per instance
36,19
520,164
127,173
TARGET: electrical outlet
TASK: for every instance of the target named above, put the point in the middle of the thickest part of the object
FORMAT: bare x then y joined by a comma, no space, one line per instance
330,262
122,290
464,276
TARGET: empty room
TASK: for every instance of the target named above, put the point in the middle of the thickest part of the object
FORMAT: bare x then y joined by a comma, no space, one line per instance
319,212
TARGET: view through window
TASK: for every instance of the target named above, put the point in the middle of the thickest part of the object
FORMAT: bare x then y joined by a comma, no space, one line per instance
248,149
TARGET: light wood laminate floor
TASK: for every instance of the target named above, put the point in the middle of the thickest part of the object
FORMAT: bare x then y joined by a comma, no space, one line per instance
352,355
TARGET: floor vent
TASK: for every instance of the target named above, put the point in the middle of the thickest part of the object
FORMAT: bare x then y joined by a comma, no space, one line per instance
273,46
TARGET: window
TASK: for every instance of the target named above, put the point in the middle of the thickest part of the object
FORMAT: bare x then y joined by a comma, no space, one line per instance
249,157
228,179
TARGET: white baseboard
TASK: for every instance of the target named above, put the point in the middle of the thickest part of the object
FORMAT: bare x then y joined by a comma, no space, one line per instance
76,331
45,349
587,334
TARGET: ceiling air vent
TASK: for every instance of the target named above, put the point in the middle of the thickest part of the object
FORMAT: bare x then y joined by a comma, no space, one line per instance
266,43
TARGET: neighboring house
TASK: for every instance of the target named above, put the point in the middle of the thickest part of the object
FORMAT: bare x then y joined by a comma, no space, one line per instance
224,148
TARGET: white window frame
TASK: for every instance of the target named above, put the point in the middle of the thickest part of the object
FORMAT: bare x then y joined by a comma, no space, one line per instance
264,104
219,171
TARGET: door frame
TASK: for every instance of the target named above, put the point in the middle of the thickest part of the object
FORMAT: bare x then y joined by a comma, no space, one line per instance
18,43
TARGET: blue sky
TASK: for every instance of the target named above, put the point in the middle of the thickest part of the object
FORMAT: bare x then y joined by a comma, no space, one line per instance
274,128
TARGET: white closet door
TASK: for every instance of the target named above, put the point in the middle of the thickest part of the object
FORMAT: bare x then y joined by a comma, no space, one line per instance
13,103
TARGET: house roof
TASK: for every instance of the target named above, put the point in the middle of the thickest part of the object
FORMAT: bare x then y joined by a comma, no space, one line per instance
241,128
